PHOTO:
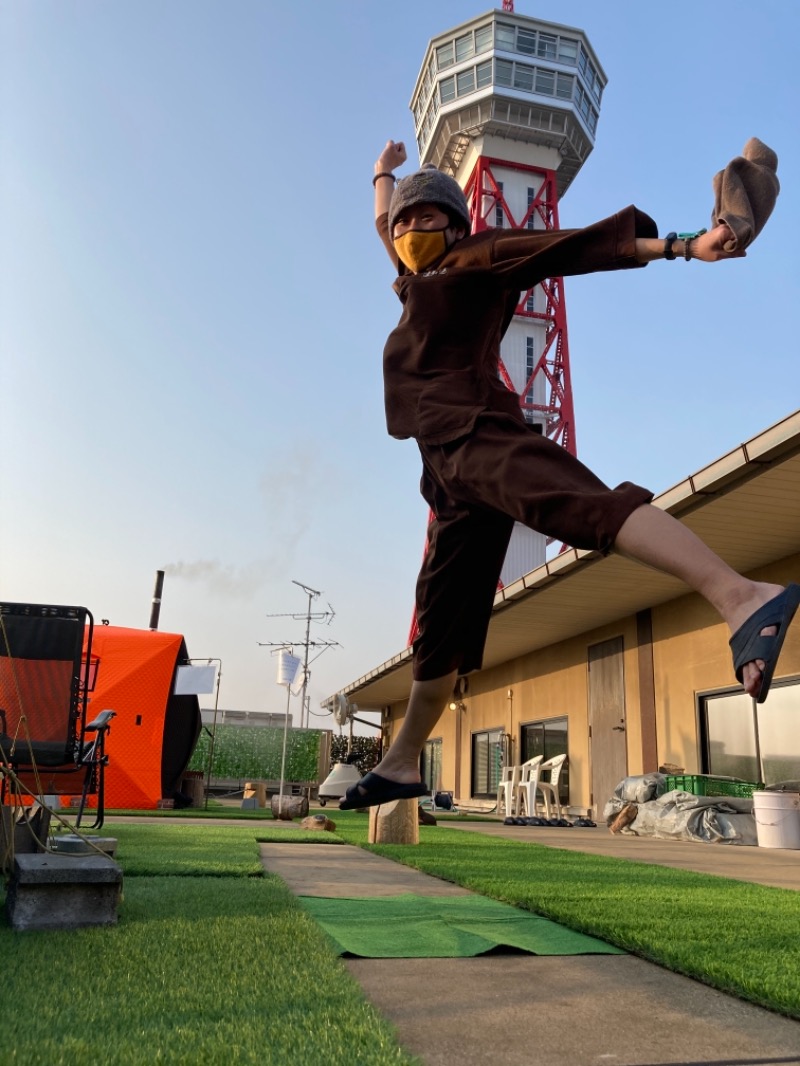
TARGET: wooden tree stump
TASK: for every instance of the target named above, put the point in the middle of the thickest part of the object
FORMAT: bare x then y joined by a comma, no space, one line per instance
625,818
292,807
320,822
394,823
257,790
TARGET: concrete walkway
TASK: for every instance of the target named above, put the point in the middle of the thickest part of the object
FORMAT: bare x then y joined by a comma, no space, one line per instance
521,1010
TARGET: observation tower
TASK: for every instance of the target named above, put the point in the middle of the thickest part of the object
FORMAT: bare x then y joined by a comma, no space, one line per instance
509,105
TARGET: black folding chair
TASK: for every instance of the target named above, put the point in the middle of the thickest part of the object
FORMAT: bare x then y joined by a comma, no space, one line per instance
46,673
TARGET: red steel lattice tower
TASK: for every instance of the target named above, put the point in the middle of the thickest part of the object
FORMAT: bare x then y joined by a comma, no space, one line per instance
509,105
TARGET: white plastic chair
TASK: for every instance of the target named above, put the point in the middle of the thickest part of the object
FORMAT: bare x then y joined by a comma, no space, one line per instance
549,787
528,783
508,791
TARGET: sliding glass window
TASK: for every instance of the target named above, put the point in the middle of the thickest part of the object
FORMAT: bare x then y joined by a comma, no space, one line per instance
752,741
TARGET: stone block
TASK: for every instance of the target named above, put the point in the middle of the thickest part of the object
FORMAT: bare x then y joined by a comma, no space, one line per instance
63,891
73,844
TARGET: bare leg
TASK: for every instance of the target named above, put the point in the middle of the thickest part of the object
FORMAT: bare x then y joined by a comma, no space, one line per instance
654,537
428,699
650,536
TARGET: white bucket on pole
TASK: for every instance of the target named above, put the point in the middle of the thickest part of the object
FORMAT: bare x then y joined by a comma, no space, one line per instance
777,817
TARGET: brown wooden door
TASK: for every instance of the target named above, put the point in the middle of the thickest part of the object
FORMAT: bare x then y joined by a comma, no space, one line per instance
607,746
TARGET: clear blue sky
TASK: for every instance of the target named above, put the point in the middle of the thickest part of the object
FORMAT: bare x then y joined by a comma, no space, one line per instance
193,302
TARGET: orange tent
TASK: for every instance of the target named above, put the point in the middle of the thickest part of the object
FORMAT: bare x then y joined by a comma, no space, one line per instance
154,733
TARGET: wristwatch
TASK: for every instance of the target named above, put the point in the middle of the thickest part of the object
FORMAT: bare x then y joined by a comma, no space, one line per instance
669,240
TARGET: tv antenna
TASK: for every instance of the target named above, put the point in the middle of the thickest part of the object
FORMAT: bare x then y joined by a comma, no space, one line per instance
323,617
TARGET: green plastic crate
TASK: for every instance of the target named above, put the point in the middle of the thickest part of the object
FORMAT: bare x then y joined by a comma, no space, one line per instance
706,785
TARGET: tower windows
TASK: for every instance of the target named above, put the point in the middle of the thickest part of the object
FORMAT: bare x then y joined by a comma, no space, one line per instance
505,36
585,91
464,48
590,75
530,224
548,46
523,77
530,42
564,86
499,217
530,363
526,41
503,72
465,82
483,38
445,56
545,82
483,74
520,76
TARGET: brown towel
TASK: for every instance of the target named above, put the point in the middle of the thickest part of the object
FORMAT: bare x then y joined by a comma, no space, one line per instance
745,193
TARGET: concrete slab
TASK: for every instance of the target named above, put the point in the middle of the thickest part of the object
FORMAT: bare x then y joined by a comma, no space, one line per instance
343,871
50,869
521,1010
571,1011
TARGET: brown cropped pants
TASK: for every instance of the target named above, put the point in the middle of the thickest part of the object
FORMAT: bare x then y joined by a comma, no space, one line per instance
477,487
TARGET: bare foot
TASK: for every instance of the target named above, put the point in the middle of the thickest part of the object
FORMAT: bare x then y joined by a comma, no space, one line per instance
395,770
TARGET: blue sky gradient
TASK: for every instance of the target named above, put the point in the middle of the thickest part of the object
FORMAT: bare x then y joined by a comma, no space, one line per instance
193,301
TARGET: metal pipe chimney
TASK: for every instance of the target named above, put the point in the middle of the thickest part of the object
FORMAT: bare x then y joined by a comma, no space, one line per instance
155,610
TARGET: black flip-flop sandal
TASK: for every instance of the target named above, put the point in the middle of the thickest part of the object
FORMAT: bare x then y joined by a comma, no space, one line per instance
747,643
373,790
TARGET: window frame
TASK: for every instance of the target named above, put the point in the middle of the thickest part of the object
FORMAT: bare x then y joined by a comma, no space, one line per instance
548,750
432,763
499,737
446,55
710,765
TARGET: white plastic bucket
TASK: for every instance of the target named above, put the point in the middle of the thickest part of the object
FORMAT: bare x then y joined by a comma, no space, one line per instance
777,817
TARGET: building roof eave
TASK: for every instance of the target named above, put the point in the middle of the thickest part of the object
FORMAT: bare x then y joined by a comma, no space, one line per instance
745,506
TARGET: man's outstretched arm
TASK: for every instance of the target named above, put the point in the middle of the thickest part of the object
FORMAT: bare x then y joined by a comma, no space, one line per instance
709,247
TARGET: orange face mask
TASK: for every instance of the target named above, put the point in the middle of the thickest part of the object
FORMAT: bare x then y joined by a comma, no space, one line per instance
419,248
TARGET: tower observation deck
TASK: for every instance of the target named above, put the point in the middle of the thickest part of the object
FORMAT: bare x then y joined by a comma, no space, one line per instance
509,105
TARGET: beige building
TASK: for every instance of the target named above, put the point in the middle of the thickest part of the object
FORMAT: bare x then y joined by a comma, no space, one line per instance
616,665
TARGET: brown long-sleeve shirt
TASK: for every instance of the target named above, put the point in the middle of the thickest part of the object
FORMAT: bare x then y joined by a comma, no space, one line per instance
440,362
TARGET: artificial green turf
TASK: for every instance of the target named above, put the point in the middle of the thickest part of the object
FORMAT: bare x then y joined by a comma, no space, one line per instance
214,811
278,995
186,850
208,964
410,926
739,937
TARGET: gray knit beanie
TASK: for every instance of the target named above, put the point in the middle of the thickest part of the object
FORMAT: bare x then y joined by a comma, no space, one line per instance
429,186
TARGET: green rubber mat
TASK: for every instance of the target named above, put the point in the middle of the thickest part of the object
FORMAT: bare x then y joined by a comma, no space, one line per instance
442,927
